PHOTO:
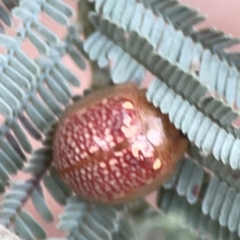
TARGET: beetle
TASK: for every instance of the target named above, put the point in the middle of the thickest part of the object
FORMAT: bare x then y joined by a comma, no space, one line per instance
113,146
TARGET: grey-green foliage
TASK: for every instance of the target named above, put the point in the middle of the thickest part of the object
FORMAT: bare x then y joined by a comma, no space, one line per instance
184,18
167,41
190,217
214,198
85,220
5,16
136,37
34,92
199,203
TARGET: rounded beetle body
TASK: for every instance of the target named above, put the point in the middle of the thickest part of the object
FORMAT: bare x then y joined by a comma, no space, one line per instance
113,146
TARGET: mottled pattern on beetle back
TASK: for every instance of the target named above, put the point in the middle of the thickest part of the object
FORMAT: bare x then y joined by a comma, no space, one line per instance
103,153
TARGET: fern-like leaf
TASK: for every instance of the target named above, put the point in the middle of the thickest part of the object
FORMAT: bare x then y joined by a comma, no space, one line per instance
85,220
194,93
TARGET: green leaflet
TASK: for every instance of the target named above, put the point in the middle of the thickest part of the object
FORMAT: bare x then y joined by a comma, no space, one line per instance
221,170
92,221
22,229
41,206
24,93
32,224
24,81
190,217
194,188
193,51
55,190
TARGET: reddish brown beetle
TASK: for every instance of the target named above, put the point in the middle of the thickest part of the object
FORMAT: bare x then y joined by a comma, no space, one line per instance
113,146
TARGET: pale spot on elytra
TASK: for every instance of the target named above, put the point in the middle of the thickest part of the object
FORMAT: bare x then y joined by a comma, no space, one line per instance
77,150
129,132
154,137
143,147
109,138
83,171
93,149
105,172
100,142
113,161
84,155
128,105
135,151
86,135
107,131
112,144
127,121
102,164
104,101
118,154
157,164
